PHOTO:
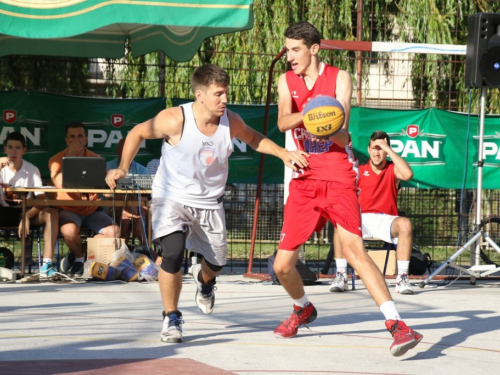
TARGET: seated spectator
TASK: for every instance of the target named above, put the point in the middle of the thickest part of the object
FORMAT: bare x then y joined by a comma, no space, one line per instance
71,219
129,218
16,172
153,165
379,183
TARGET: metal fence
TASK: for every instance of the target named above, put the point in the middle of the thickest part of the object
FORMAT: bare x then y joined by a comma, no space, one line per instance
443,220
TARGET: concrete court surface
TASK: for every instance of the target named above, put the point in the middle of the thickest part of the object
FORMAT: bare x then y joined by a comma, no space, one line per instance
114,328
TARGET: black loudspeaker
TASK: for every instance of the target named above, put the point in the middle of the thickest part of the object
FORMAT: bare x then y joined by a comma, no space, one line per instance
482,62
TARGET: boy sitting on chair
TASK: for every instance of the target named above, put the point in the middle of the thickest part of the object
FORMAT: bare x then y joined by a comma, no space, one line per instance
16,172
379,185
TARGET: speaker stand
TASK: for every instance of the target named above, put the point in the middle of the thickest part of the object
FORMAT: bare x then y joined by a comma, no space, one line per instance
476,270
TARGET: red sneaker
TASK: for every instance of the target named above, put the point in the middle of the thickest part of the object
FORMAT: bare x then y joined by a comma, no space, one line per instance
404,337
300,316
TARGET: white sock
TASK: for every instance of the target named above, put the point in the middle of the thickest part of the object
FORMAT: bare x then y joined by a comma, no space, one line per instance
47,260
301,302
81,259
403,266
341,265
389,310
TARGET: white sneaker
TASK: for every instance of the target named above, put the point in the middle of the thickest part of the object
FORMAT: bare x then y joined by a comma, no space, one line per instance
403,284
339,284
205,296
172,327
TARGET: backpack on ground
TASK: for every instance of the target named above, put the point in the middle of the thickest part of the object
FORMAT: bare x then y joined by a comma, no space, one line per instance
308,277
420,262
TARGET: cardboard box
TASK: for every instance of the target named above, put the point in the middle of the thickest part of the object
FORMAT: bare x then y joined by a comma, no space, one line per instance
378,256
101,249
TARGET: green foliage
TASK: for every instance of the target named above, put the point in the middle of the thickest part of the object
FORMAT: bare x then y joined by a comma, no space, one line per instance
435,83
45,74
134,77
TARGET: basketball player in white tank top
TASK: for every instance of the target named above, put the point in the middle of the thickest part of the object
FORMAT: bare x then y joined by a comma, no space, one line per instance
187,205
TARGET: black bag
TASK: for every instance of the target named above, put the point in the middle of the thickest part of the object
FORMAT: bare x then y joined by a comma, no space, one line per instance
419,262
308,276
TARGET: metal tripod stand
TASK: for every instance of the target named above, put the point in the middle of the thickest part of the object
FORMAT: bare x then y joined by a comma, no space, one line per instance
476,270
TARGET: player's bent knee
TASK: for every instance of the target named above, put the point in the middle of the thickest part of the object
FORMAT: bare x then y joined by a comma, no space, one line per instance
173,252
404,226
282,269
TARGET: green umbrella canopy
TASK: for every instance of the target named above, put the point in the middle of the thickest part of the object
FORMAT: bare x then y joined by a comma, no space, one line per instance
99,28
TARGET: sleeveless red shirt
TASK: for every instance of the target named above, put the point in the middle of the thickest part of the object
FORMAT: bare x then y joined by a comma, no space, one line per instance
378,192
328,161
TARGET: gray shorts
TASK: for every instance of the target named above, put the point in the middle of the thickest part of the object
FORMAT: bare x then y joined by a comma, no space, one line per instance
206,229
96,221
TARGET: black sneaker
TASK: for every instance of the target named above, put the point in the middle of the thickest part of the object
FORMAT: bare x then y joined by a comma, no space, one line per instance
172,327
76,270
67,262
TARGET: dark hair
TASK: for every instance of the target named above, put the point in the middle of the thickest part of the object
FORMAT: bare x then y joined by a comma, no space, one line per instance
209,74
15,136
76,125
379,134
305,31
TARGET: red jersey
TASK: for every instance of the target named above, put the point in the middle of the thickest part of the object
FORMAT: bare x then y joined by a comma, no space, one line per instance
378,192
328,161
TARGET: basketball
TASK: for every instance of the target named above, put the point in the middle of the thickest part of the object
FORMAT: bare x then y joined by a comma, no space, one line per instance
323,116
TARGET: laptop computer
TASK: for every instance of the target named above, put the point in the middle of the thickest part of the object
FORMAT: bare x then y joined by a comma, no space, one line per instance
84,172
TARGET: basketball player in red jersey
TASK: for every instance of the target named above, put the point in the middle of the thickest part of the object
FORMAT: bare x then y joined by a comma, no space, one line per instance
379,182
326,188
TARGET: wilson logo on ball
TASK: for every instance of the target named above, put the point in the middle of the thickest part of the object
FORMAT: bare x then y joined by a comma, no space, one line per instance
319,115
323,116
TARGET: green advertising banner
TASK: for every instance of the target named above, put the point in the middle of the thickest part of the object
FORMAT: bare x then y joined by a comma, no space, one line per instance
441,146
42,119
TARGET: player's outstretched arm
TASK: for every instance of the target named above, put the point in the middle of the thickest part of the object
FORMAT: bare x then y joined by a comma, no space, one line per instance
259,142
164,125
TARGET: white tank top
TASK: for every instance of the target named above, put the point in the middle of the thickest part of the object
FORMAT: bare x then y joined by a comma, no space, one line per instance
194,171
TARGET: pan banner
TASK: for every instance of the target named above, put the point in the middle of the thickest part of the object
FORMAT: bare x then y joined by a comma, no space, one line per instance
441,146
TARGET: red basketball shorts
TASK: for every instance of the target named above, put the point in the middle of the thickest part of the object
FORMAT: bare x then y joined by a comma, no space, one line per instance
312,202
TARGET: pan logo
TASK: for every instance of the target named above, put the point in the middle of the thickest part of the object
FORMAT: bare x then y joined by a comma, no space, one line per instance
491,150
418,147
412,131
9,116
117,120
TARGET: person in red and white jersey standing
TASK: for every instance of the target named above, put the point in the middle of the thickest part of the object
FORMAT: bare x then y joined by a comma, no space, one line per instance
326,189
